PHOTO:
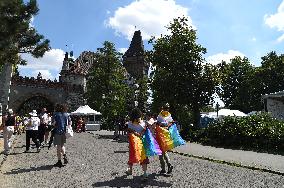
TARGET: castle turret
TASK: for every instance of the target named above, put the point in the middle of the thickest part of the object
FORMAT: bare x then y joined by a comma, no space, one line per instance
133,59
65,66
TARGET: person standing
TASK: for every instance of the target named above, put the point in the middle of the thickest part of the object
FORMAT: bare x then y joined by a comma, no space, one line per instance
32,131
43,125
137,127
164,120
9,123
48,128
60,121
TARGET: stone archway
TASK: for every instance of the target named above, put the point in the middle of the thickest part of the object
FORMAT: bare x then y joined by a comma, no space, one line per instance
35,103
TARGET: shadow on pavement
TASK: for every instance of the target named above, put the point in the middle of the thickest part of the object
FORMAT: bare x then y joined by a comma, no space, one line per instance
14,153
19,170
20,146
136,181
121,151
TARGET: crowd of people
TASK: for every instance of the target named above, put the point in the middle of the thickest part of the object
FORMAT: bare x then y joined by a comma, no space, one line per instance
43,128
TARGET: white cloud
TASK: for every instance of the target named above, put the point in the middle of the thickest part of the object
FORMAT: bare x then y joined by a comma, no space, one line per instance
50,62
281,38
122,50
31,24
44,73
253,39
276,20
217,58
149,16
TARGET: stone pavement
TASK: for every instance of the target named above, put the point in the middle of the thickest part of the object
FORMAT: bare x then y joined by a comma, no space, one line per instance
96,160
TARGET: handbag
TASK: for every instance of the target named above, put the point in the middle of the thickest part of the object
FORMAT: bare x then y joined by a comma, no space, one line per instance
69,132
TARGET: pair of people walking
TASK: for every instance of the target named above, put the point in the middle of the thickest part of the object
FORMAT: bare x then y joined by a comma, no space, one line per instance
60,121
137,127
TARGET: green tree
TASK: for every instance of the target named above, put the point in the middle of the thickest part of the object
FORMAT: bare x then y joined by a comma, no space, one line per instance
180,75
16,34
143,94
238,89
106,88
271,73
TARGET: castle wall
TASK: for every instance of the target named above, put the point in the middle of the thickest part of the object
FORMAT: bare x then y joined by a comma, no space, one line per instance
20,93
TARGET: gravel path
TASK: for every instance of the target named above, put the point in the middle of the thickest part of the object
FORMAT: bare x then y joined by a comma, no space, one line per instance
98,161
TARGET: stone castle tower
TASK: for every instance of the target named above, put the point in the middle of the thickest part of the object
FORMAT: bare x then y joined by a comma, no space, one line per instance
134,59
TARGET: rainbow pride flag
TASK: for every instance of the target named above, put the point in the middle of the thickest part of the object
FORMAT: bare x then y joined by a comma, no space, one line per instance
176,136
164,139
137,152
151,146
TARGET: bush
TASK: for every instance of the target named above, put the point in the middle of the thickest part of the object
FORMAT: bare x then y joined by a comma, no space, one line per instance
259,132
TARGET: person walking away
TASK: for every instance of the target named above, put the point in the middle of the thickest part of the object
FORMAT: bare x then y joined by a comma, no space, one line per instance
60,121
79,125
8,130
164,120
48,128
137,127
43,125
32,131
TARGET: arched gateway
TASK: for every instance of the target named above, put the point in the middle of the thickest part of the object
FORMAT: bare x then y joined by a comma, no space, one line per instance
35,103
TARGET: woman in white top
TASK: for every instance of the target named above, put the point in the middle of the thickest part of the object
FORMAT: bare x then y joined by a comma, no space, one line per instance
32,131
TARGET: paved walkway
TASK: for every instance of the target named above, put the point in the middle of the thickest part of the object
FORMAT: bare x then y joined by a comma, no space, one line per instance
96,160
269,162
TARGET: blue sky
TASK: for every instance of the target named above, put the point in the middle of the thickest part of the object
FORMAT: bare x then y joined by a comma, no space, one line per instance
226,28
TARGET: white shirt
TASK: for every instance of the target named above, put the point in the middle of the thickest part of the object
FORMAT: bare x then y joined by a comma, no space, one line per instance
33,123
44,118
137,128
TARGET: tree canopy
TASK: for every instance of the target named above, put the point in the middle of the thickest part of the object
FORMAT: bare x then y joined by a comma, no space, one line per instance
106,87
180,76
16,33
236,84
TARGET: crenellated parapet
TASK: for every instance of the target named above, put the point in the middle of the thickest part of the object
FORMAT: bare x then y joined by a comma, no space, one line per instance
44,83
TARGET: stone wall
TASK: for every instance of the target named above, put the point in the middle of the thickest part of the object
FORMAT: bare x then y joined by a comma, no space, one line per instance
276,108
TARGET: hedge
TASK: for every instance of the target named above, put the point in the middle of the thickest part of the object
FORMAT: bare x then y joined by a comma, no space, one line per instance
259,132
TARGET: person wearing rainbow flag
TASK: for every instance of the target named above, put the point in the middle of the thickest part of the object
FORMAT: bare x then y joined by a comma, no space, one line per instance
136,129
165,120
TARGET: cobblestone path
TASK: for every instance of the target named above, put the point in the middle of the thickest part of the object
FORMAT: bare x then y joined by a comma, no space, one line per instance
99,161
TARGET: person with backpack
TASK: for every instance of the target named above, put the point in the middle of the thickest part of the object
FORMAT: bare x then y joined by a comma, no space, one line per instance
9,123
60,121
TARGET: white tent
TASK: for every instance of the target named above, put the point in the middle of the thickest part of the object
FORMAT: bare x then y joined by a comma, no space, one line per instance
228,112
85,110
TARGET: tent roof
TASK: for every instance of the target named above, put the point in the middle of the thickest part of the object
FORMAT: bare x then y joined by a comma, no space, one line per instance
85,110
229,112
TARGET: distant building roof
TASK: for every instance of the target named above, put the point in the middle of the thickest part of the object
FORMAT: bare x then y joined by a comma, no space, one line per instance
273,95
83,63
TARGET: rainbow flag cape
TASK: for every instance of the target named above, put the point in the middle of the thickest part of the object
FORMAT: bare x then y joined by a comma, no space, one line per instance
137,152
176,136
164,139
151,146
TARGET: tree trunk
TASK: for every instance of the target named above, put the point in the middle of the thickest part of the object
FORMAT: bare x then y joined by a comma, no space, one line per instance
196,116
